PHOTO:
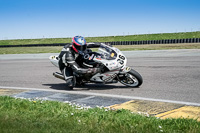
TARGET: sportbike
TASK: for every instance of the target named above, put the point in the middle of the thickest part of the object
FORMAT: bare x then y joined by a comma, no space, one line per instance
113,68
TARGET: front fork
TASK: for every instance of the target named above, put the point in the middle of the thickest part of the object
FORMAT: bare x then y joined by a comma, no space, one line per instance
123,72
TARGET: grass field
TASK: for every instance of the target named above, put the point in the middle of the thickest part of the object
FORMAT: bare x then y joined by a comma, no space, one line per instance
143,37
56,49
22,116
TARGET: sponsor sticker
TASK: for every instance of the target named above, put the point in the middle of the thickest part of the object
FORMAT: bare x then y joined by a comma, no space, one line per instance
112,55
128,68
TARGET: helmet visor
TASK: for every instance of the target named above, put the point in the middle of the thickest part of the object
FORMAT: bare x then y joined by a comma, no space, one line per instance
80,47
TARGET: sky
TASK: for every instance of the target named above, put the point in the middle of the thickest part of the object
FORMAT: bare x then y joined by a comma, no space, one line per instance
30,19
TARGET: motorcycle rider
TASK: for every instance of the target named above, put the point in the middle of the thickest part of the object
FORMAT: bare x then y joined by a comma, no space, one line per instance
68,60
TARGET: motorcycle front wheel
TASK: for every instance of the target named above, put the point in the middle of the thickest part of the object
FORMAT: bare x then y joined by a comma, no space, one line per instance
131,79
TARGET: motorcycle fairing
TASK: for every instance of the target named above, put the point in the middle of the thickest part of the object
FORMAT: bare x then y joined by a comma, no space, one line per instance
54,60
105,77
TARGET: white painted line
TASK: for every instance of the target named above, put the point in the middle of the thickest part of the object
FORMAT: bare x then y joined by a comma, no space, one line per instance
105,95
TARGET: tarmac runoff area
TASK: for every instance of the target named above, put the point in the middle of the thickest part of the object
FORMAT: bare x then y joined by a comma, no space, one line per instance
158,108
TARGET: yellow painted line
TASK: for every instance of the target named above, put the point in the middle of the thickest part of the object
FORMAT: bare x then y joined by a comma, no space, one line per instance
3,91
125,105
189,112
7,92
144,106
161,109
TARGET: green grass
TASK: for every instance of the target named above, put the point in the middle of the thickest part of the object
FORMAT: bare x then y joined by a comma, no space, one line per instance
163,36
35,41
57,49
21,116
30,50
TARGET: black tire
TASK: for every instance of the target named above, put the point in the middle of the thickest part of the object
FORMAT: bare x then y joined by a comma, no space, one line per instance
131,79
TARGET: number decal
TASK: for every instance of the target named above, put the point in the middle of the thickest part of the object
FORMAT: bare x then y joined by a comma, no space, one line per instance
121,62
122,57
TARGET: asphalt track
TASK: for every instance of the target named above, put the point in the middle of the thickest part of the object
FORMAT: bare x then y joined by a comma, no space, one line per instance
169,75
170,89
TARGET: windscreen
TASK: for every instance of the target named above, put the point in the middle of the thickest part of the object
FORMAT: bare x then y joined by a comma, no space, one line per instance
106,52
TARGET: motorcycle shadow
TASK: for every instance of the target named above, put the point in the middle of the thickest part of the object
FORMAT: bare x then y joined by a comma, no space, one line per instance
99,87
63,86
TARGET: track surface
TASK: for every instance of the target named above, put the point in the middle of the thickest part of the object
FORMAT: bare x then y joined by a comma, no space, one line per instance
168,74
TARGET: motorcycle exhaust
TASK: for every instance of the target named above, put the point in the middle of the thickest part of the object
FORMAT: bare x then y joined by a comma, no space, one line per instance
59,75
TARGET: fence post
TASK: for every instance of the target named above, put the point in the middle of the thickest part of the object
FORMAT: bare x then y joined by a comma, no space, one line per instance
193,40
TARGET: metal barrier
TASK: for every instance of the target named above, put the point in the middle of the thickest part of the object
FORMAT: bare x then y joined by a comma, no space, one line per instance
167,41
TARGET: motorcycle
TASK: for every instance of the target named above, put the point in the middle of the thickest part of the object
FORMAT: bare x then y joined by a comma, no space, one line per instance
113,68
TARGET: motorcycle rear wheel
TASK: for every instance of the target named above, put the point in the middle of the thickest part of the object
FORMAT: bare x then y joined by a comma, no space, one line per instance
131,79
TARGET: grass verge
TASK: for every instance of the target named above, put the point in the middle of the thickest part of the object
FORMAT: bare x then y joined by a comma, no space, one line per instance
19,116
31,50
143,37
